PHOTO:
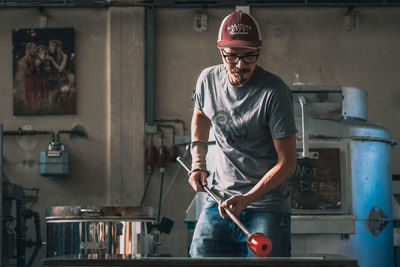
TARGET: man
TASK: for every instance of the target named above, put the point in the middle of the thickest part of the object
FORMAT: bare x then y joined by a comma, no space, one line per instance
251,113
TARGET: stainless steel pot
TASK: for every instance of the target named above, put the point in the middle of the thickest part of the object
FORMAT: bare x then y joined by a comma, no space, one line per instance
90,230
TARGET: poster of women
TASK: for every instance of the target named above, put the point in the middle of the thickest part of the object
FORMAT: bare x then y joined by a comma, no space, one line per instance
44,71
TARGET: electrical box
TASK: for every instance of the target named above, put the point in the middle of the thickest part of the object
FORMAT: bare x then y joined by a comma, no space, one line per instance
200,22
54,161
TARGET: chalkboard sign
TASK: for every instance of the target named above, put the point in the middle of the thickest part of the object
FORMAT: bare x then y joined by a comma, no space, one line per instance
316,184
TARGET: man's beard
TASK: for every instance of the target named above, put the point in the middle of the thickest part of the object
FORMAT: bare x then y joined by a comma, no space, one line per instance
239,78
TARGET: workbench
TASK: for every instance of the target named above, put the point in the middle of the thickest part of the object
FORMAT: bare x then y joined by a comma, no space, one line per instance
294,261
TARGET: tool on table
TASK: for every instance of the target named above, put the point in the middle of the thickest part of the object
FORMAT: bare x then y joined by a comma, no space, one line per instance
258,243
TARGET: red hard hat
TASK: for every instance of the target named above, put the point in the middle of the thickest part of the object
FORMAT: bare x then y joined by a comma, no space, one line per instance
239,29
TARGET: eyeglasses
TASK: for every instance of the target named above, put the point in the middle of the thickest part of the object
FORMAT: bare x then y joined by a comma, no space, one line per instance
234,59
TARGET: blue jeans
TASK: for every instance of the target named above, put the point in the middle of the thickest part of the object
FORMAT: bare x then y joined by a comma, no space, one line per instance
218,237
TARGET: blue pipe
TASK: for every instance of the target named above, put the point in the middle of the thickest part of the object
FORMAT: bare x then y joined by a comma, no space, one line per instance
2,263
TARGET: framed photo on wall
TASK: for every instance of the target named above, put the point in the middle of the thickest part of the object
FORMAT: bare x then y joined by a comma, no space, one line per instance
44,71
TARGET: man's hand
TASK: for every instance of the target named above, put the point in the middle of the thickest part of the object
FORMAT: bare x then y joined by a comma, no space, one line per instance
197,180
235,204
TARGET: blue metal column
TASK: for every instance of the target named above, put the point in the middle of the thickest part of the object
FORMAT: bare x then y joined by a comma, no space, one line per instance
1,197
396,224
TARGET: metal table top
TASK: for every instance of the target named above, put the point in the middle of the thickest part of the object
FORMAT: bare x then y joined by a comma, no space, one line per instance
122,260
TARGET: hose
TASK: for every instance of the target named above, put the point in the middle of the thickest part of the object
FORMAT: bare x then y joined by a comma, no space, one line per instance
146,188
176,174
162,170
162,162
150,162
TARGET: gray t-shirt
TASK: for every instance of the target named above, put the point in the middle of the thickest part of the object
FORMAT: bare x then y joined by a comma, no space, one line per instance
245,120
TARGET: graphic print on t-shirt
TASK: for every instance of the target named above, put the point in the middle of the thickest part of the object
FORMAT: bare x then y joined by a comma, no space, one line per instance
230,126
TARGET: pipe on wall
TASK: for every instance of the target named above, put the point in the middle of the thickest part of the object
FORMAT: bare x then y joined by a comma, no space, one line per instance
196,3
149,66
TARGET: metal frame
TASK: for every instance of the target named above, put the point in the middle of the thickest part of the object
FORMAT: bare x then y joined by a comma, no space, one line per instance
199,3
345,186
333,221
323,224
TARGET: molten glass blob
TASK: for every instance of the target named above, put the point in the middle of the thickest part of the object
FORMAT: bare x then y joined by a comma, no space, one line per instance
259,244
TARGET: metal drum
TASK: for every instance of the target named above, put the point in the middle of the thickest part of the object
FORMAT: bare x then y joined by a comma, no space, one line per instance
89,230
341,192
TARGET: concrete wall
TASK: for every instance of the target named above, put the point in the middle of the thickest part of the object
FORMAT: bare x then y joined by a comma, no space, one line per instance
312,42
107,168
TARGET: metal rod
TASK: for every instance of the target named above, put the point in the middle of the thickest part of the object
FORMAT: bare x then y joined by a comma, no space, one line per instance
21,230
218,200
304,125
28,132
